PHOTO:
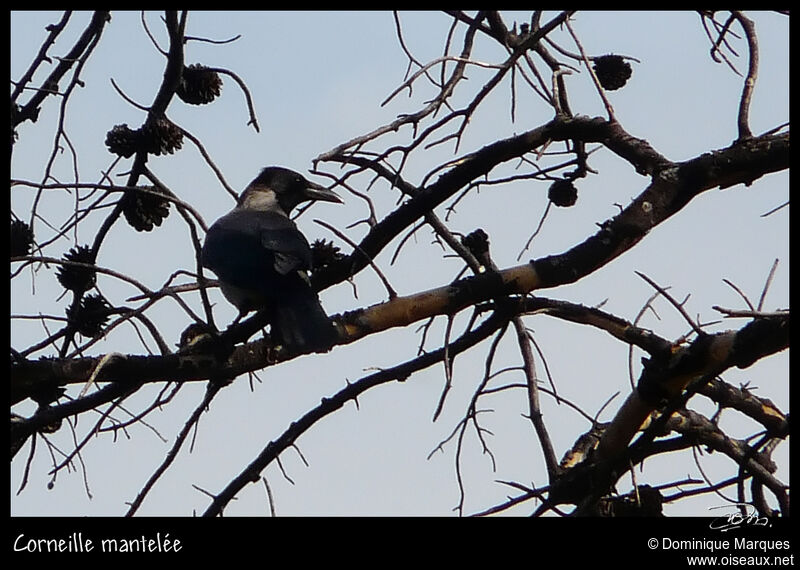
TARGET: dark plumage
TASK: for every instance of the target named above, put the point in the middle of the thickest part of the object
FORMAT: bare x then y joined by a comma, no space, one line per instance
261,259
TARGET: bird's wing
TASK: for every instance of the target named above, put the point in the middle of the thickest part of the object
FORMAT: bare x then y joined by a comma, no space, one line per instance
244,243
290,248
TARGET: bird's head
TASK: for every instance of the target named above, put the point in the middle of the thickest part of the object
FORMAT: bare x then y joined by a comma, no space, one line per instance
278,187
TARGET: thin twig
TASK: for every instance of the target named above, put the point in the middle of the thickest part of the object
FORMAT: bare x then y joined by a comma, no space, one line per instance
211,391
752,74
600,90
676,304
767,284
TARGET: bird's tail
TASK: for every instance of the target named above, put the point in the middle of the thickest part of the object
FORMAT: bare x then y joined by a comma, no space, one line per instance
301,324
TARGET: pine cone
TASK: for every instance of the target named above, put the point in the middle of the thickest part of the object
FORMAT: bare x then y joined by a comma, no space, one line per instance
74,278
646,501
14,119
477,243
161,137
563,193
21,240
195,337
143,210
324,253
123,141
90,316
612,71
199,85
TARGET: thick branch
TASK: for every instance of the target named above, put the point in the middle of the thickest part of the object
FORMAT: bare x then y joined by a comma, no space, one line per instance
708,356
671,190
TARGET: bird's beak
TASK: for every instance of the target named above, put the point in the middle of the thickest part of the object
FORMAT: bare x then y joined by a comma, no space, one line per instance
316,192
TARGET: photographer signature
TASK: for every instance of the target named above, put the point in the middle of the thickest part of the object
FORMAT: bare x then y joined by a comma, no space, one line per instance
737,519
